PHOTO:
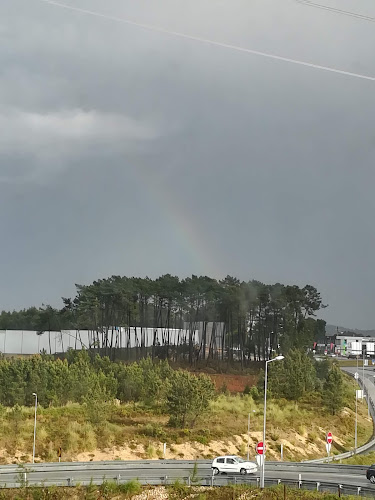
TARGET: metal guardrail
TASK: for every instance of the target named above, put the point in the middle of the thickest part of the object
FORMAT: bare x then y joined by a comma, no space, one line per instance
164,465
210,481
154,467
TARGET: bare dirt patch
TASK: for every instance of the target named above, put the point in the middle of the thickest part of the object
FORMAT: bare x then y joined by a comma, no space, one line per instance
233,383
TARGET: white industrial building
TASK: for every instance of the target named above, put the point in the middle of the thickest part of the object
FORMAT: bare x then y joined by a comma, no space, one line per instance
354,346
27,342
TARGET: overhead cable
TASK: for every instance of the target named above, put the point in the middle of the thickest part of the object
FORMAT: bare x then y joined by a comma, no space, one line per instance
210,42
336,11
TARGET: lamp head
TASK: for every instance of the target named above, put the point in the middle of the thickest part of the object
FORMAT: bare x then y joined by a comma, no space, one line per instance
279,358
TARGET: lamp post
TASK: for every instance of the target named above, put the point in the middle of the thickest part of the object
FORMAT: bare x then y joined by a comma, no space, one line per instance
278,358
248,436
363,368
356,414
36,406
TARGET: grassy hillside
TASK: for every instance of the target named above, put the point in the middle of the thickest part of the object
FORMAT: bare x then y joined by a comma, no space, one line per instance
94,431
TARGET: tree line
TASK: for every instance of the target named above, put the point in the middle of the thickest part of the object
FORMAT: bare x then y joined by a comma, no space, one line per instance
255,319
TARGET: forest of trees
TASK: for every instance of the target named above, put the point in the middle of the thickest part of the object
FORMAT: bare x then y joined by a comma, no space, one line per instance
257,320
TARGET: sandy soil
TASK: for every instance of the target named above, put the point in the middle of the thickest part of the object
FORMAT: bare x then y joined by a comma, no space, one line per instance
193,450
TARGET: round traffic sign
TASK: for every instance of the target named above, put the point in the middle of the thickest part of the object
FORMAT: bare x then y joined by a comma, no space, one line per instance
260,448
329,437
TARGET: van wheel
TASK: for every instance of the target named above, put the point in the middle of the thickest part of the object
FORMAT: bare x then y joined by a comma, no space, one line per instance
372,479
243,471
215,471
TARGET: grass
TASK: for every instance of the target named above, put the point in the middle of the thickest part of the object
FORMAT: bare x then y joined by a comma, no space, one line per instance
350,362
365,459
177,491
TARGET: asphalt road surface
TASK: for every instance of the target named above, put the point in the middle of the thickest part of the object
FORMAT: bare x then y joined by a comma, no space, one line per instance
153,472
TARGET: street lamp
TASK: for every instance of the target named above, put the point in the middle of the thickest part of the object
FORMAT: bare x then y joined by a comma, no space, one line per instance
36,406
356,413
248,436
278,358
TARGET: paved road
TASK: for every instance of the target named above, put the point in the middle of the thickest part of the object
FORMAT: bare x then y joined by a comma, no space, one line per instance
154,471
369,378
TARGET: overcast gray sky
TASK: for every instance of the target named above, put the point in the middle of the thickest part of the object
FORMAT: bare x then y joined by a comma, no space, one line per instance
126,151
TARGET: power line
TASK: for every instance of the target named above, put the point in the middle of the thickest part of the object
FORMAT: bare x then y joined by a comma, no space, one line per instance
336,11
210,42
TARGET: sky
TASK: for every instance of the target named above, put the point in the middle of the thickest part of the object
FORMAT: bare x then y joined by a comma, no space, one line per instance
135,152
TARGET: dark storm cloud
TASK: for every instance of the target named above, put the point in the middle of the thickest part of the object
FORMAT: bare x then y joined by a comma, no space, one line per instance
106,128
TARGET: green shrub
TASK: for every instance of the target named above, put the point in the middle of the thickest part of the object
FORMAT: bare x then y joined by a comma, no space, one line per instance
108,489
254,392
202,440
150,451
130,488
178,490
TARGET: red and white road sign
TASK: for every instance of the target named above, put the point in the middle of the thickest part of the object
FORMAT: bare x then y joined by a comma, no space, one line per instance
329,437
260,448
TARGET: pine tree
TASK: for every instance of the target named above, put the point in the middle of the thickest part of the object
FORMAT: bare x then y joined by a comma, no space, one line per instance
333,391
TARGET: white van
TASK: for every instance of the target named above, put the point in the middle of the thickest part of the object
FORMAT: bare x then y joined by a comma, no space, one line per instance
232,464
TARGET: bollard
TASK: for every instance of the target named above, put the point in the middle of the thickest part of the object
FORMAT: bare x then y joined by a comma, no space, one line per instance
279,481
118,478
339,490
25,478
317,486
257,482
212,480
359,491
189,481
70,481
165,479
299,481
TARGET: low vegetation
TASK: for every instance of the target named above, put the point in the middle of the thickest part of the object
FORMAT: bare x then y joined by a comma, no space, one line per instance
365,459
178,491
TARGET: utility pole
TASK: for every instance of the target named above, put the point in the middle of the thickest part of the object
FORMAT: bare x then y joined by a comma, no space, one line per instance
248,436
36,406
278,358
356,416
363,369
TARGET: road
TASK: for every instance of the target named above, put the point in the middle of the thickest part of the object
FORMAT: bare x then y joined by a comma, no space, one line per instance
369,383
155,471
369,378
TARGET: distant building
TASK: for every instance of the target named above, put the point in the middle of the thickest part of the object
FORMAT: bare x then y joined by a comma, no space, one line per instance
352,346
27,342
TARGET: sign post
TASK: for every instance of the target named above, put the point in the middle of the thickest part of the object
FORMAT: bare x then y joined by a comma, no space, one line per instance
260,449
329,439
